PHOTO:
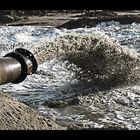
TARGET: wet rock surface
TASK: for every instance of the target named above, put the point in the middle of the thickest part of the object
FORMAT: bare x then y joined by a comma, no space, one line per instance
5,18
17,116
91,19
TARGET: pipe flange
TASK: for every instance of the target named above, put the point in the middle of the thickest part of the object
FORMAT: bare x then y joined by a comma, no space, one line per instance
24,67
28,55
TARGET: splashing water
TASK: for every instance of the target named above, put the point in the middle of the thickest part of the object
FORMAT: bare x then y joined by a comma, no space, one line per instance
72,64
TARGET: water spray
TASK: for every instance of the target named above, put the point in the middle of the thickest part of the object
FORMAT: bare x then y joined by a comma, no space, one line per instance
16,65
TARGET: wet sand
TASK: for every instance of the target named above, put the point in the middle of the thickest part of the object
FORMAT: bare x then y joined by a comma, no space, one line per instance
17,116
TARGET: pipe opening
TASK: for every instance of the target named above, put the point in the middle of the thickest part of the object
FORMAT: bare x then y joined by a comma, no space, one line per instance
15,66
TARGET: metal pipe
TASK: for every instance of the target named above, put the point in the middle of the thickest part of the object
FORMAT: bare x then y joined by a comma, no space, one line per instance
15,66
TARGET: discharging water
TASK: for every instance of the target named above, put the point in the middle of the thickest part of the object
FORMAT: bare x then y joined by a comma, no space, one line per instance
74,87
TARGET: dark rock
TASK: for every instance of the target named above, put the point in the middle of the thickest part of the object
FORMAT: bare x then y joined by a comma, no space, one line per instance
5,18
79,23
87,21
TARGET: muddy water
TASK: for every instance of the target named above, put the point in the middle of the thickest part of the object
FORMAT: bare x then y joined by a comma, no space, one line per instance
64,87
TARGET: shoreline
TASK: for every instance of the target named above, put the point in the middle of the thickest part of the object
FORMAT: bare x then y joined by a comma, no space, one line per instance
77,20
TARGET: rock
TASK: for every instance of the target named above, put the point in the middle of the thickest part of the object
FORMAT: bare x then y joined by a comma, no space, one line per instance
5,18
18,116
10,18
79,23
87,20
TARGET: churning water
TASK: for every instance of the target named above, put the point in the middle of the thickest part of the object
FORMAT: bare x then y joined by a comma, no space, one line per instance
87,77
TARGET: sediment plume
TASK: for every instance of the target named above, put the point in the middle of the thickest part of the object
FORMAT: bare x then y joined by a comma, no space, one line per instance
98,57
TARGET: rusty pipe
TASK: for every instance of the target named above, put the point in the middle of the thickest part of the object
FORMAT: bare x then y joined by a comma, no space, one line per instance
15,66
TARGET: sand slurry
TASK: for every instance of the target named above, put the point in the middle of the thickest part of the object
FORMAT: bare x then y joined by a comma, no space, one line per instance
17,116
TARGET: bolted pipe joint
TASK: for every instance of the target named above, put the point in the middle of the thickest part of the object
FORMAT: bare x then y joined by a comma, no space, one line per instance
15,66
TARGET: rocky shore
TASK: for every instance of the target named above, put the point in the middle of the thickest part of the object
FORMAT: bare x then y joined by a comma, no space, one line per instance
66,18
